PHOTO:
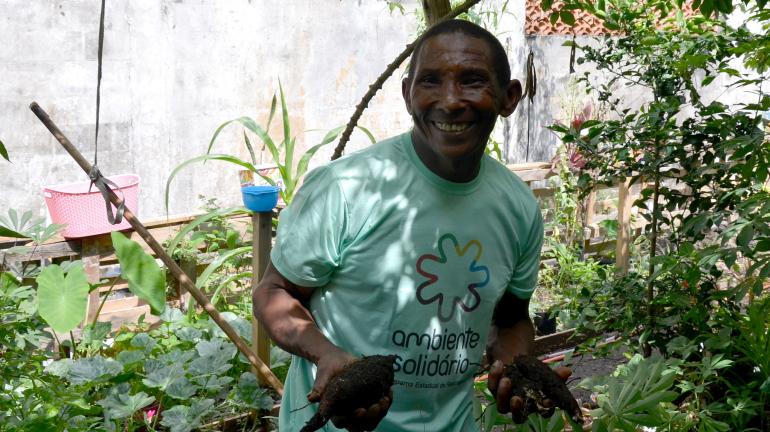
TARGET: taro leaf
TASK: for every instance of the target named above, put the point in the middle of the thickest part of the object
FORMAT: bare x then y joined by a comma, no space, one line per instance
4,152
91,369
163,377
62,299
60,368
143,340
250,393
212,383
129,357
181,388
145,277
182,418
189,334
121,405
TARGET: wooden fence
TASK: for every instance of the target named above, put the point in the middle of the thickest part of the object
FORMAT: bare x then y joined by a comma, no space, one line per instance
121,307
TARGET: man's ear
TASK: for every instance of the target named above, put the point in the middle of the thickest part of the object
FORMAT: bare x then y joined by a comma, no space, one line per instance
512,97
407,96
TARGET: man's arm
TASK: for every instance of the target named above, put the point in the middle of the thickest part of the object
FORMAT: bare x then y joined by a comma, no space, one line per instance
280,306
512,332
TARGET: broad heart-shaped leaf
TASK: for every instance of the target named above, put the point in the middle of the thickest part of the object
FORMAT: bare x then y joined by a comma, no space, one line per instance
62,299
91,369
212,383
145,277
181,388
163,377
121,405
250,393
129,357
182,418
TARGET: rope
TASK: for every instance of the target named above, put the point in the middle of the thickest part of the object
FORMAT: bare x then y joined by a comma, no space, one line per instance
97,179
530,89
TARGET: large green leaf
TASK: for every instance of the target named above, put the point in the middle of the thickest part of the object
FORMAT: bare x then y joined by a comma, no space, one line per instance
145,277
119,405
182,418
62,298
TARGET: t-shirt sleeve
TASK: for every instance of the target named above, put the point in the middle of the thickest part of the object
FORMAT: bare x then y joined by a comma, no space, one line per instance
311,231
524,278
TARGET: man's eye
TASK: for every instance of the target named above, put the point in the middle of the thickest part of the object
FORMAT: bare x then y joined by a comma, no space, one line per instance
474,80
428,80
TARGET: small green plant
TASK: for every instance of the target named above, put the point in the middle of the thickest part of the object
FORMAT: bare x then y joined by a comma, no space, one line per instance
282,153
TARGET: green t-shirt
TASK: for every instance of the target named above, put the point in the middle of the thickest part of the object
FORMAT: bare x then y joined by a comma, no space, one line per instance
410,264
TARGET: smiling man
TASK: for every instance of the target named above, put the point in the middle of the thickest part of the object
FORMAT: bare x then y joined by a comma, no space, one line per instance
420,246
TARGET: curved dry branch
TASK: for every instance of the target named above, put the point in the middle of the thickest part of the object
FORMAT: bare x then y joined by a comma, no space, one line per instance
385,75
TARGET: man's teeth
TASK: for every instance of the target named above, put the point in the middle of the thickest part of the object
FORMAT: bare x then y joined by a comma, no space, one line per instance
452,127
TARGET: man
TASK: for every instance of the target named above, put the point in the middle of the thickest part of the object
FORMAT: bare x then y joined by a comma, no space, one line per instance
412,247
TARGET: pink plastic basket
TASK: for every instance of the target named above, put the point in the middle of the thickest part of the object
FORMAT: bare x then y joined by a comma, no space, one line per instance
84,212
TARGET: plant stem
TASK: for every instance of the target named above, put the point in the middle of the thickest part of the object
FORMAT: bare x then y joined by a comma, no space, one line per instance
104,299
375,87
653,246
72,339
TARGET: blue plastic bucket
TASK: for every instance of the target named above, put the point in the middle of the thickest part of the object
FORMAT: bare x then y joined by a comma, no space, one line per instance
260,198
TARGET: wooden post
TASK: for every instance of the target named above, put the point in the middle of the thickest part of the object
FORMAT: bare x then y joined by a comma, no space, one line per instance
190,267
622,247
262,237
90,259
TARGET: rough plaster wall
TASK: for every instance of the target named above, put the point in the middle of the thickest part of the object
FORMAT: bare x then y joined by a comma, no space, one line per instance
173,71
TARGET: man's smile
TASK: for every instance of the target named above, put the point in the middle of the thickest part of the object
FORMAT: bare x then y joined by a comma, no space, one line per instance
452,127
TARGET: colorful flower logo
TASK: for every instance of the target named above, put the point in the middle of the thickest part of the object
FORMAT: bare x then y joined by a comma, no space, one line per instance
443,277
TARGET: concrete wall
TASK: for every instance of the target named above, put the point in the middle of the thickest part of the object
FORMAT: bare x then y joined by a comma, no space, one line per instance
173,71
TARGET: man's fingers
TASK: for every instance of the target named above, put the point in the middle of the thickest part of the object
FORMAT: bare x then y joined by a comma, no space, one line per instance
503,395
314,396
518,410
547,408
493,378
563,372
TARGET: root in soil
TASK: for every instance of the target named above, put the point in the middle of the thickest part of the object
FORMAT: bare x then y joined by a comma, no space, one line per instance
533,381
358,385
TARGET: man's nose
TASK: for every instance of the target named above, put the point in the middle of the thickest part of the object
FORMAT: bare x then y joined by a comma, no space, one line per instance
450,98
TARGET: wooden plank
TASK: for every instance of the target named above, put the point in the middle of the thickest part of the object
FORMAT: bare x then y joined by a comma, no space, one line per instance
543,193
111,306
590,208
90,259
262,224
622,248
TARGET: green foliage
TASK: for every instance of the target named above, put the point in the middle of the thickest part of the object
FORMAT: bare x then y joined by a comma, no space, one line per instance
63,297
25,226
704,164
145,277
636,394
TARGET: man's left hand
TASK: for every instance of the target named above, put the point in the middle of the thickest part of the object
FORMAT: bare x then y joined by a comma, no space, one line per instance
502,389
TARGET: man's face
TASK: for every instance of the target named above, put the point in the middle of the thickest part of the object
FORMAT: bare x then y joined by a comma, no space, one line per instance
454,97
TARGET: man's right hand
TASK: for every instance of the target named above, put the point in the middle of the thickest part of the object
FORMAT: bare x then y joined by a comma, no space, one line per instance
360,419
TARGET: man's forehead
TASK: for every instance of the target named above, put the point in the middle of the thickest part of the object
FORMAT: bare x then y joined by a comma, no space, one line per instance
455,46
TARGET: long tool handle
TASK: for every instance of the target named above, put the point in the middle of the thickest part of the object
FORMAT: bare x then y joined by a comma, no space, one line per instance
264,372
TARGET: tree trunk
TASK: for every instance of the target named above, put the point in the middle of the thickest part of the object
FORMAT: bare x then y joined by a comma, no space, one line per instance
435,10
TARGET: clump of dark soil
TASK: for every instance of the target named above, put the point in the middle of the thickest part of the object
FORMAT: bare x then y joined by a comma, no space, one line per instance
360,384
533,381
